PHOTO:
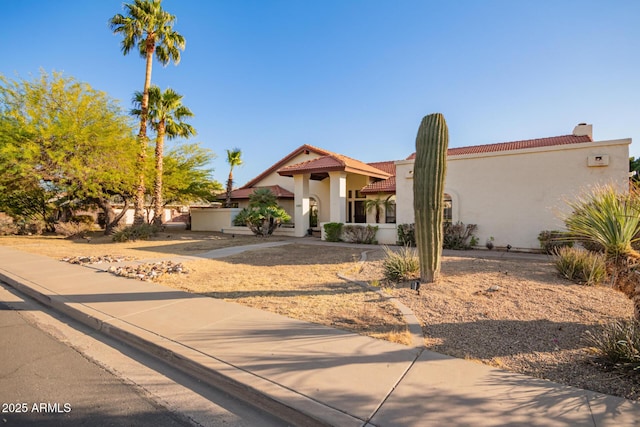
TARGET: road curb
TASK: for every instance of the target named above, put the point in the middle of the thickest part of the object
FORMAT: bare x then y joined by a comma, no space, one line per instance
288,405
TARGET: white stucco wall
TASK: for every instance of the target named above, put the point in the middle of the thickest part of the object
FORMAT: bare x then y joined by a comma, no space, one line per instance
512,196
212,219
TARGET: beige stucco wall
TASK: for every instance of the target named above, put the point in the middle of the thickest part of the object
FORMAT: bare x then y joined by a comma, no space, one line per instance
212,219
512,196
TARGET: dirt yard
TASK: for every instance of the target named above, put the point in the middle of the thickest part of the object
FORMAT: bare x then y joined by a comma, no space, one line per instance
515,314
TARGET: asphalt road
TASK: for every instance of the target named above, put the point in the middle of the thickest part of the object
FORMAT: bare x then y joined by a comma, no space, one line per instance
54,372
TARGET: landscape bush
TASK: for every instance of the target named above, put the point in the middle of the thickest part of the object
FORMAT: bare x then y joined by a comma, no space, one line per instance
401,265
333,231
135,232
406,235
617,343
73,229
7,225
83,219
359,234
581,266
459,236
552,240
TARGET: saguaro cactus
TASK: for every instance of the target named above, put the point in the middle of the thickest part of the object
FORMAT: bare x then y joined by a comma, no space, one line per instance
428,193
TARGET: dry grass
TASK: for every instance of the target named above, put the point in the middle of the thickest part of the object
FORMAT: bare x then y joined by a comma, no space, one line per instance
299,281
164,244
532,324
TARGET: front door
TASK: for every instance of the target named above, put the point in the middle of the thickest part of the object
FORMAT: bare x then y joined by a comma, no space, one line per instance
360,215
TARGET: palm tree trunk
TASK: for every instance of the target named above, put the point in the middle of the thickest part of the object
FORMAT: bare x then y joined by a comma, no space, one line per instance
138,216
158,207
227,203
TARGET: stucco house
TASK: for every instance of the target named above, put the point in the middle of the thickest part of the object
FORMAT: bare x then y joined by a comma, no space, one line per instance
511,190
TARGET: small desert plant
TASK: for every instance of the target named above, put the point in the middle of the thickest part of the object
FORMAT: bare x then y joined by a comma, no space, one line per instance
359,234
552,240
581,266
401,265
489,243
73,229
7,226
333,231
31,226
406,235
135,232
617,343
459,236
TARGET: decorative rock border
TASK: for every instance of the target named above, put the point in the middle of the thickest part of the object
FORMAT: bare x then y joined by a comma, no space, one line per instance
414,325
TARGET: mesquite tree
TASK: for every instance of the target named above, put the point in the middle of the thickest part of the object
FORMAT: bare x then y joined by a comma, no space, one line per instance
428,193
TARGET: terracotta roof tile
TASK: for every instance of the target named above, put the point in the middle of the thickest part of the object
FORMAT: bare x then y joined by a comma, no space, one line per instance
517,145
285,159
245,192
388,166
384,186
332,162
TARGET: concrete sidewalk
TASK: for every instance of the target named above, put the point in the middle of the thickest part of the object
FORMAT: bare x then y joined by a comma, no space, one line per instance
305,373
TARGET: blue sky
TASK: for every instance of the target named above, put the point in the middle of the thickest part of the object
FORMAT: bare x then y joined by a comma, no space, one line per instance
357,76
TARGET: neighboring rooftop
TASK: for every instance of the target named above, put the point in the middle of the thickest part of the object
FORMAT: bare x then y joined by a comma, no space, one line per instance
244,193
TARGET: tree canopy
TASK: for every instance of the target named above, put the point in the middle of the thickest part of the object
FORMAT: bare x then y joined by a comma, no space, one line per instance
64,144
61,140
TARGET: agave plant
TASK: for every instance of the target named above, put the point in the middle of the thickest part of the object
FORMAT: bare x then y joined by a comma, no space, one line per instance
611,220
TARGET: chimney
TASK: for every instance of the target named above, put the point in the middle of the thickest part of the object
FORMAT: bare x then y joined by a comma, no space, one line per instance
583,129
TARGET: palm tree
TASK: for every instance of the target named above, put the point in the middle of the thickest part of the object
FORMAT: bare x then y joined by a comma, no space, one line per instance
377,204
149,28
611,221
165,114
233,158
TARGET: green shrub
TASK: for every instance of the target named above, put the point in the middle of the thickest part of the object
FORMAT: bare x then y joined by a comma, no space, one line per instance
83,219
459,236
333,231
241,218
581,266
407,235
31,226
552,240
7,226
360,234
73,229
401,265
135,232
617,343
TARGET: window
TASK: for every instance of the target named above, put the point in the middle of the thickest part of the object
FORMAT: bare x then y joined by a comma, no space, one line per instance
390,212
448,209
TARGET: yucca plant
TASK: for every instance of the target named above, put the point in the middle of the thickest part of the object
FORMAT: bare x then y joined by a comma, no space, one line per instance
618,343
580,266
400,265
611,219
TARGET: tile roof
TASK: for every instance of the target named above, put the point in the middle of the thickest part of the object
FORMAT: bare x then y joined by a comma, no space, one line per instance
245,192
302,149
388,166
517,145
332,162
385,186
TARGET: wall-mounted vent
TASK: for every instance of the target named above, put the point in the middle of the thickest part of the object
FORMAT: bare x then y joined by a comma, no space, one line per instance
598,160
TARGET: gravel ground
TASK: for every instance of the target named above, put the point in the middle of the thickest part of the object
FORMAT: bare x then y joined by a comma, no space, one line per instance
519,316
